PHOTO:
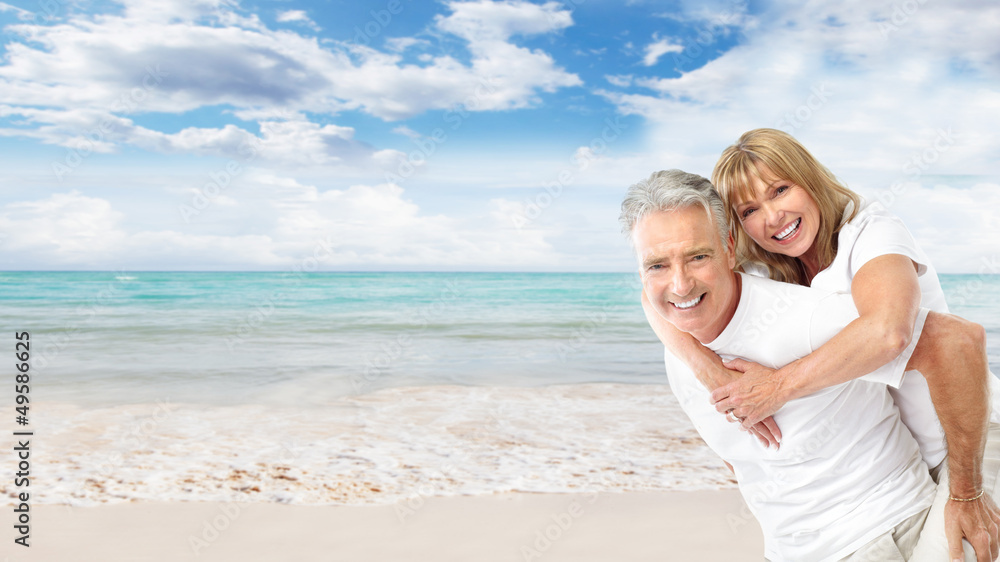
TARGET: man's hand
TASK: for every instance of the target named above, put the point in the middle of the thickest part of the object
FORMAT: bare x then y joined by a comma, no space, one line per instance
751,398
978,521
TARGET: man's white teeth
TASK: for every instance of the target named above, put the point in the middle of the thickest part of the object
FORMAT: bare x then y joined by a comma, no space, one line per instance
689,303
791,228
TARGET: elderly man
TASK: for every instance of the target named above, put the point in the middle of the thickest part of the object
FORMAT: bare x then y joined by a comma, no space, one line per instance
848,482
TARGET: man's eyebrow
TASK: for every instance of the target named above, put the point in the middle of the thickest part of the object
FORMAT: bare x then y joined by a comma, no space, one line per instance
656,258
652,259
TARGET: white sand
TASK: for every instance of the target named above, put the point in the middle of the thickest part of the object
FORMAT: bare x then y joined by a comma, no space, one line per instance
703,526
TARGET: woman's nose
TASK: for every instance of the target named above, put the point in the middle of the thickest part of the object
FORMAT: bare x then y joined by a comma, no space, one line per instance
773,215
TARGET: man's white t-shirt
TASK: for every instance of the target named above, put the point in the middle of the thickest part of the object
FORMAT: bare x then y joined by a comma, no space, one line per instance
847,470
873,233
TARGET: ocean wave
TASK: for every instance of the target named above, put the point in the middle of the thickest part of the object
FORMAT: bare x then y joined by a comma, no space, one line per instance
383,447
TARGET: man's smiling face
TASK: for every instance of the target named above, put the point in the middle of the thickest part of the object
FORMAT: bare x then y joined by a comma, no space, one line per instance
687,273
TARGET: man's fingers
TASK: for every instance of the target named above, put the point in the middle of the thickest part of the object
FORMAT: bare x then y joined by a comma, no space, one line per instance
980,541
954,534
989,514
992,534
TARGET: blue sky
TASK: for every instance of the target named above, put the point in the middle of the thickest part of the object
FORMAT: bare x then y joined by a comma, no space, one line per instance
466,135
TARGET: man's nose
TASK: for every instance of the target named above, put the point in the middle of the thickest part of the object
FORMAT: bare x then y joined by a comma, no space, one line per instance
682,282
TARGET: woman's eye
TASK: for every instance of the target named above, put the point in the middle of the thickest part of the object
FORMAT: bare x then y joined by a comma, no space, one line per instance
746,213
781,189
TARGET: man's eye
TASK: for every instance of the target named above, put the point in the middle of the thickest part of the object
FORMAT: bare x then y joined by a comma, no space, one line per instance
700,257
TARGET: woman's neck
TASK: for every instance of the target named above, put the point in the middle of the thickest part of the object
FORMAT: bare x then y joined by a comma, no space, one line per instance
810,263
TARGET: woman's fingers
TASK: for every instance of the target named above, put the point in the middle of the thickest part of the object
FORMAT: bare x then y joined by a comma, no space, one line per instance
772,426
737,364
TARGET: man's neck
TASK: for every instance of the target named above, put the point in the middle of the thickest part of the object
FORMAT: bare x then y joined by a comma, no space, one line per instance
732,303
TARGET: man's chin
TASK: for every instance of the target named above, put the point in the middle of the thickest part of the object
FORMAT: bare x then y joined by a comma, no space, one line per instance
684,321
679,320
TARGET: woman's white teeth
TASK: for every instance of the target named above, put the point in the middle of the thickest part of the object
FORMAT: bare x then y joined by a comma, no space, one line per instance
785,233
689,303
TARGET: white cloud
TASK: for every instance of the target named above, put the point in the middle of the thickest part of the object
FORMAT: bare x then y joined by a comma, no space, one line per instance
406,132
714,15
298,16
658,48
75,227
620,80
169,60
22,14
284,221
883,98
863,97
400,44
174,10
486,22
293,15
941,216
288,140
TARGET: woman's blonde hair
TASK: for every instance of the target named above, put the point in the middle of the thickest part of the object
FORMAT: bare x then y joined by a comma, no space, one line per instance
786,159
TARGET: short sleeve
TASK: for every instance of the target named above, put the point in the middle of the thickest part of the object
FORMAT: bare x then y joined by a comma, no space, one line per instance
834,312
756,269
882,235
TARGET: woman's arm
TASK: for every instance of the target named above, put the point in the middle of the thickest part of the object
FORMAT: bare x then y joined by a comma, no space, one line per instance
951,356
887,295
706,366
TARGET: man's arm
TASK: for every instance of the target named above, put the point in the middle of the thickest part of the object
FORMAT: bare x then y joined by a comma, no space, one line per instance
951,355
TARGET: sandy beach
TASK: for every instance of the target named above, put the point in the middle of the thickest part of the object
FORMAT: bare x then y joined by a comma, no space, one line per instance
703,525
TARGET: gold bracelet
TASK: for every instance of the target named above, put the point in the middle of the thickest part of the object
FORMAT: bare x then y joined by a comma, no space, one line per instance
979,495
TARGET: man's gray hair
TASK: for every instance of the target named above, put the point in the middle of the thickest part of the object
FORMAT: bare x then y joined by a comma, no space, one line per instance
668,190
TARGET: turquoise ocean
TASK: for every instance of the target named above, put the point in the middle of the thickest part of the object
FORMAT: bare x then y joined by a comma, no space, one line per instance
356,388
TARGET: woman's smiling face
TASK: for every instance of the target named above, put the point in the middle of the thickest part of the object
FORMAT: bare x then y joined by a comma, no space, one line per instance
781,216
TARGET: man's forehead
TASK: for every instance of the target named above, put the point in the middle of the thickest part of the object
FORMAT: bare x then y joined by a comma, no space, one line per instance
684,223
683,231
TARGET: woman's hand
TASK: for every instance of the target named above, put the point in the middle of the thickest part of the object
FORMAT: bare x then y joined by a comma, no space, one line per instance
765,430
705,365
753,397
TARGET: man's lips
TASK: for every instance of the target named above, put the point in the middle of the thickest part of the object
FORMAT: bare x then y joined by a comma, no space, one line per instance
689,304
